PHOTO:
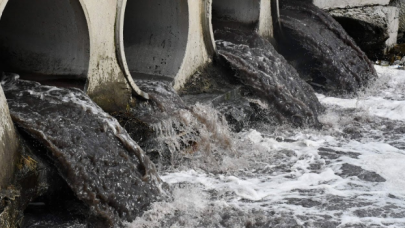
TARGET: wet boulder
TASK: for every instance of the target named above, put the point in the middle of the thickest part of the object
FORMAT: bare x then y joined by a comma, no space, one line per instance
321,50
374,28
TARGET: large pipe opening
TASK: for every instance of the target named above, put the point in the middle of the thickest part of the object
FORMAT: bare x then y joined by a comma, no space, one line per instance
45,41
240,14
155,37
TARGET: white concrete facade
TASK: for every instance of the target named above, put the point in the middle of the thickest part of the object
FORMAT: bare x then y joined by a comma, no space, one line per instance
333,4
392,17
200,43
265,27
109,80
8,144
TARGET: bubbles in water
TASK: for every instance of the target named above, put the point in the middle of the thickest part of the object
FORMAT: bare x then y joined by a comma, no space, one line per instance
347,174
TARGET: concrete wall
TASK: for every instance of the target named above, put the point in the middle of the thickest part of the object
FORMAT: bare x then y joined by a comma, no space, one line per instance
8,144
200,42
107,82
256,13
330,4
392,17
401,5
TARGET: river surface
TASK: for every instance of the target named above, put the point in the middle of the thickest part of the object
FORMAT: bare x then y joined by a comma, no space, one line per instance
350,173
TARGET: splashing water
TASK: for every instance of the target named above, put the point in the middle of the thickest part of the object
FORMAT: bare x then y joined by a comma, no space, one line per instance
348,174
179,134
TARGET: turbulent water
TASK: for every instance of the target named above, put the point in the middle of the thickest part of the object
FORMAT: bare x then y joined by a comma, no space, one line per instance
172,133
348,174
259,67
320,49
103,166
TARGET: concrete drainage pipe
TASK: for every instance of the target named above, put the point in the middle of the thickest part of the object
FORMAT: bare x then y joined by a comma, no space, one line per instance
45,39
155,37
245,14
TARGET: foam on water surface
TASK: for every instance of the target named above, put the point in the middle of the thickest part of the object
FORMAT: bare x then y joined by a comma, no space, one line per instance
349,174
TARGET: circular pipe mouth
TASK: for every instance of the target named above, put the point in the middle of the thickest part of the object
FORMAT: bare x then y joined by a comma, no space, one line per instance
46,41
240,14
154,38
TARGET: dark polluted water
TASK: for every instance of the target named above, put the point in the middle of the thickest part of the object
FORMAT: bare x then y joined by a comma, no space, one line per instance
96,157
260,68
324,162
350,173
320,49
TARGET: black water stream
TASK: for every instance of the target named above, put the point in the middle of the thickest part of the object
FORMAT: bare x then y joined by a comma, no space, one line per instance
103,166
259,67
320,49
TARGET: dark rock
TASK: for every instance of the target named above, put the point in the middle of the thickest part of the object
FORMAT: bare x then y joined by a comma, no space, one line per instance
320,49
348,170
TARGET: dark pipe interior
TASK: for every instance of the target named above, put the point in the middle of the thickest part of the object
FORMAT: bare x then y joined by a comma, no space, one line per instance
45,41
238,14
155,37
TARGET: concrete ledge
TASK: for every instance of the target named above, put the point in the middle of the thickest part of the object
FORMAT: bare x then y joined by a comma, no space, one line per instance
8,144
333,4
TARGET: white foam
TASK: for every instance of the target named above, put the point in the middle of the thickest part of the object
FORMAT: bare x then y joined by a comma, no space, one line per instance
275,168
